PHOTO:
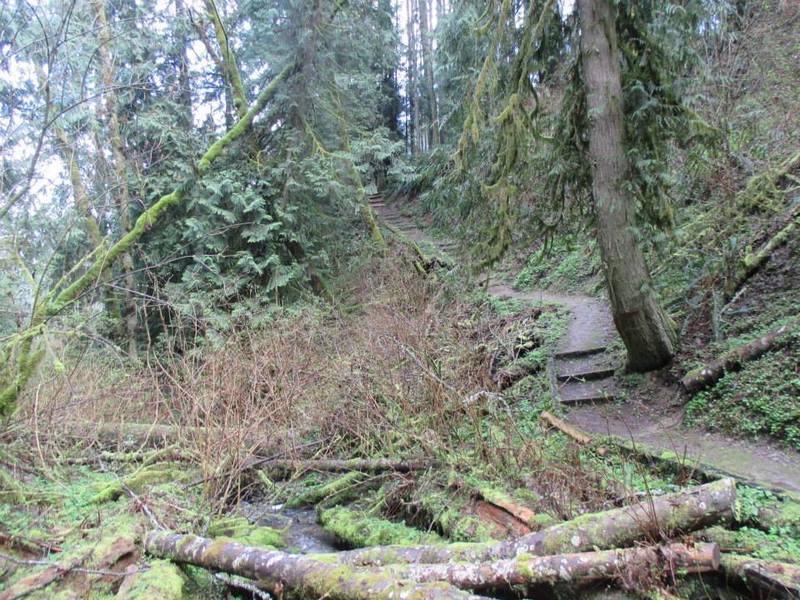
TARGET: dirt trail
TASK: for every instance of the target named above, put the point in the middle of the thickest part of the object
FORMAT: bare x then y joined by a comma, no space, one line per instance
584,372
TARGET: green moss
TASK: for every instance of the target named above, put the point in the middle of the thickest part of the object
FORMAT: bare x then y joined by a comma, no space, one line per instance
241,530
144,476
357,529
162,581
752,542
763,398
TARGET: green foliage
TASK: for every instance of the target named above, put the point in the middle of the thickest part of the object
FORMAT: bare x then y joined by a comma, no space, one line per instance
761,399
564,265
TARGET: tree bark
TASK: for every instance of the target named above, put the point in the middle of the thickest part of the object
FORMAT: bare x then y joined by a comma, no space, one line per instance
279,569
687,510
645,329
577,568
732,360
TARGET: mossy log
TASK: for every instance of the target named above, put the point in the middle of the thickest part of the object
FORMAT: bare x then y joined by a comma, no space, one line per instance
365,465
753,261
146,436
776,579
302,574
341,489
687,510
732,360
585,567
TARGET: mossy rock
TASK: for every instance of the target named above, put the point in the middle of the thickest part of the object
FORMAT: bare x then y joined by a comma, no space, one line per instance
240,530
357,529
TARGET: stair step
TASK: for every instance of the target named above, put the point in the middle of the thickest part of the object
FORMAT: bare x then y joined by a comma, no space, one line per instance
587,375
584,368
573,393
576,352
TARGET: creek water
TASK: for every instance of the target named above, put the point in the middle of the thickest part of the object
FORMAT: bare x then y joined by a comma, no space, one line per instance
303,534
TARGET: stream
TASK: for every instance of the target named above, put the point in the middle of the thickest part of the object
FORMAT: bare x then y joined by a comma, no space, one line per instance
303,534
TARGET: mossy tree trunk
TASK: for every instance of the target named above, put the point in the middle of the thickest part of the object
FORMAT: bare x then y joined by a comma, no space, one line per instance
230,70
645,329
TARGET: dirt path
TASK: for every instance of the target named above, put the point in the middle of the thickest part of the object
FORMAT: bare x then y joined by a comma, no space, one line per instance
584,369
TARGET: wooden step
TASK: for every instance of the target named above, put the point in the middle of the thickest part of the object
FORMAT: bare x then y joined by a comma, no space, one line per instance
584,368
576,352
575,393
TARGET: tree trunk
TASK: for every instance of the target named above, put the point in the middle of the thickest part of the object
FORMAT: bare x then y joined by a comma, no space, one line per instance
579,568
352,464
645,329
732,360
411,79
230,70
120,167
688,510
278,570
80,197
184,85
427,65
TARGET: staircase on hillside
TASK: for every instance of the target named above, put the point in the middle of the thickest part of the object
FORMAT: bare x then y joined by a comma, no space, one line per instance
582,366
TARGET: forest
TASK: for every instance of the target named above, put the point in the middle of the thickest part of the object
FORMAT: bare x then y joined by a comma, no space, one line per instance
400,299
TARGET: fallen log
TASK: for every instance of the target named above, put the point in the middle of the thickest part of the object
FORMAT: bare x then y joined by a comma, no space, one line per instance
578,568
732,360
571,431
688,510
778,580
280,570
353,464
754,261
